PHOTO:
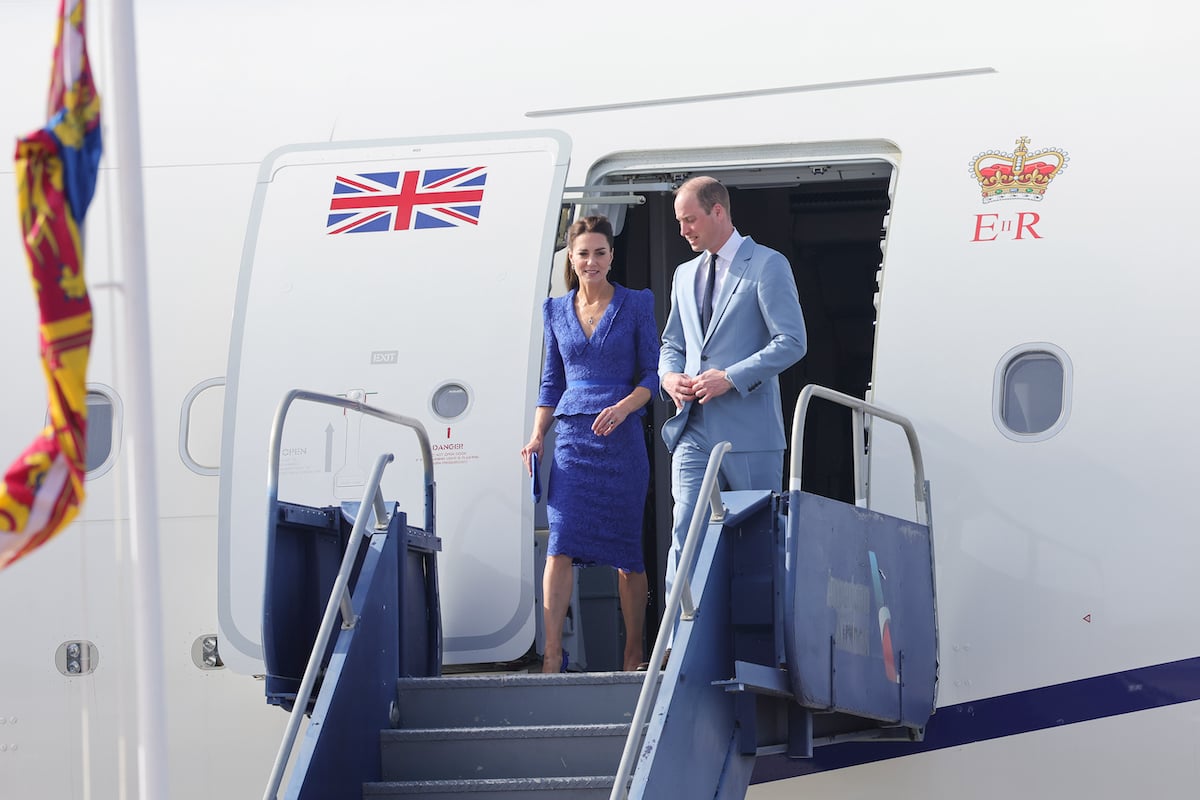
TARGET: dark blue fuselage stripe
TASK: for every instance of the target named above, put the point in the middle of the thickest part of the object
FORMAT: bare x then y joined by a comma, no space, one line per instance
1021,712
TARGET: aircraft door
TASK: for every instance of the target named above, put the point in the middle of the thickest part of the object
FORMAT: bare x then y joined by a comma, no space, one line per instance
410,274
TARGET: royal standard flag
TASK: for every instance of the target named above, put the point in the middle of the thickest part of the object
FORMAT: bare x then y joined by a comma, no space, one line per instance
56,177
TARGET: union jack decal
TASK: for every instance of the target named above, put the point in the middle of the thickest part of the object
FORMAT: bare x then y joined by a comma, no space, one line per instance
400,201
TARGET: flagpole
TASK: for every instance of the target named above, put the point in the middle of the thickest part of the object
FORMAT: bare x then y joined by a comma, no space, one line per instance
121,101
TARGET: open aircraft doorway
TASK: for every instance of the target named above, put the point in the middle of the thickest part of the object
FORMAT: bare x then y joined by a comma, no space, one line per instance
824,207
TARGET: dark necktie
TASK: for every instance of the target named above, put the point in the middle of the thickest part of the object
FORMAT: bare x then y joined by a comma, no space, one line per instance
706,307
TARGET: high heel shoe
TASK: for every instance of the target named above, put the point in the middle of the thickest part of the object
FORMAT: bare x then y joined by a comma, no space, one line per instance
562,666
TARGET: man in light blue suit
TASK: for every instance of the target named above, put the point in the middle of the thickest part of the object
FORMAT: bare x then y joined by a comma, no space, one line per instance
735,324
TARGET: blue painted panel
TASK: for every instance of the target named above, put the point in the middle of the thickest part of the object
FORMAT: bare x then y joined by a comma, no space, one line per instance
691,744
302,563
340,749
398,631
861,633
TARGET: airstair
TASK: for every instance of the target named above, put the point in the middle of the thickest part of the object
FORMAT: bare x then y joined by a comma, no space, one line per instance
507,736
801,621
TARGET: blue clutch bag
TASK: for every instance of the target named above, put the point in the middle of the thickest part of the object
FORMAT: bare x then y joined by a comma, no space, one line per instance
535,480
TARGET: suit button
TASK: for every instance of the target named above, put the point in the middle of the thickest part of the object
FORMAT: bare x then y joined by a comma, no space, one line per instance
704,358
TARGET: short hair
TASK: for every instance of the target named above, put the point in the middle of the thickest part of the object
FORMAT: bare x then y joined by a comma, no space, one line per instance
597,223
709,192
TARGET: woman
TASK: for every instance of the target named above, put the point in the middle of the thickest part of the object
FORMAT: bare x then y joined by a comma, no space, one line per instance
601,369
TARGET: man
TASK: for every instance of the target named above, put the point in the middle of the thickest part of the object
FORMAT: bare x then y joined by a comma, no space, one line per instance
733,327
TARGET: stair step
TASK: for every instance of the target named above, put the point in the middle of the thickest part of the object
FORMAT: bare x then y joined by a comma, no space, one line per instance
591,787
517,699
510,751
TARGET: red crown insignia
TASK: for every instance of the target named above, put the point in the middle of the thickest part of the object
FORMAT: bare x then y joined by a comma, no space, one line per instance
1019,175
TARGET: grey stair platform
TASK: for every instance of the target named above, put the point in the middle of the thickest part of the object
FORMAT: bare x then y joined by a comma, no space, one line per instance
592,787
502,752
516,735
517,699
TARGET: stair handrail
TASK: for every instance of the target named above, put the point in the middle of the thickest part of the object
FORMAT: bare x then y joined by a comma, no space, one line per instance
371,511
680,598
353,405
859,407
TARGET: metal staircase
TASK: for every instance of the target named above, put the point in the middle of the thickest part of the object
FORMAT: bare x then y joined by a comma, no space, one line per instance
504,737
804,622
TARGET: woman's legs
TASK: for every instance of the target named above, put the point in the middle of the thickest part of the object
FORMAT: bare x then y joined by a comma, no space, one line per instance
557,580
632,588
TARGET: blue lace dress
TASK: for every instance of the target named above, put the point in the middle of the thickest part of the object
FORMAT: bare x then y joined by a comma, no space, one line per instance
597,488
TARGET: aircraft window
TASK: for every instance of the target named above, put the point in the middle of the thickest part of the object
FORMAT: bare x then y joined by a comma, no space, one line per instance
1033,392
200,427
450,401
103,430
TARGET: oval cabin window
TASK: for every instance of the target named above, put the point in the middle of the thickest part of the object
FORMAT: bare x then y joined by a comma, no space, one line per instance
103,430
1032,394
450,401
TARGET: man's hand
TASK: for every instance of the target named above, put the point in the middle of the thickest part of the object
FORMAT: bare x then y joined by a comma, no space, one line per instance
710,384
679,387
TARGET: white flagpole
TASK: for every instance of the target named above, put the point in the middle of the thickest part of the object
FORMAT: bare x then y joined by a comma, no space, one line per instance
121,101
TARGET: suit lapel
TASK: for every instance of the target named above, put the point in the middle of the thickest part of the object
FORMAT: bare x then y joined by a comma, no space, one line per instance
689,312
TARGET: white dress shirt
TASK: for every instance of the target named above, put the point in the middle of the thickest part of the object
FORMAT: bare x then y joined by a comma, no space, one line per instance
724,259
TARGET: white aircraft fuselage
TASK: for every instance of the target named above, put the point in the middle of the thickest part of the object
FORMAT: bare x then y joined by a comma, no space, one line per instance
984,238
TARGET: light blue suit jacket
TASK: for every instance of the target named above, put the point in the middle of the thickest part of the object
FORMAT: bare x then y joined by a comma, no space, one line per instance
757,331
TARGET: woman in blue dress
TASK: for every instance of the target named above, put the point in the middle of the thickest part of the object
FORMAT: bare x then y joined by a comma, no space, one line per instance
600,370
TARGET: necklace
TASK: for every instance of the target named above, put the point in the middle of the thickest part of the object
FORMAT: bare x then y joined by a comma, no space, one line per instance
589,317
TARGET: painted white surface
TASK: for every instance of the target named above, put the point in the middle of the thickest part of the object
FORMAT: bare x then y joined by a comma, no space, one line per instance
329,313
1030,538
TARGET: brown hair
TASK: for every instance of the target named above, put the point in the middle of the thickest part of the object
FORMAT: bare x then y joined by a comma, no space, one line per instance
709,192
595,224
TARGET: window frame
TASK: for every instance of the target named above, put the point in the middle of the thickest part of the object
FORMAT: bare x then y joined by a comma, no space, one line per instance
118,418
1000,386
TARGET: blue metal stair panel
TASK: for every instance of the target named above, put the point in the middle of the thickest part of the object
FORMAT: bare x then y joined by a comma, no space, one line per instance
302,563
860,627
398,628
693,722
340,749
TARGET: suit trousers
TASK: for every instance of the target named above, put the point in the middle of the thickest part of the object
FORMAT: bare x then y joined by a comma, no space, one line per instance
761,469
